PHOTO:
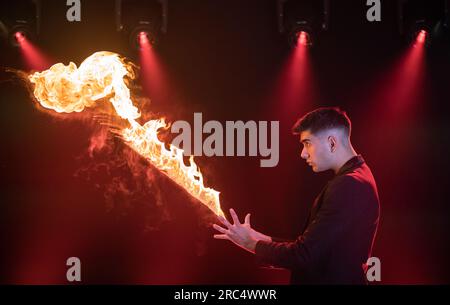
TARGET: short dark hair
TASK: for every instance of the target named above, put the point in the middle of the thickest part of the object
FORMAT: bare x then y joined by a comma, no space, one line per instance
322,119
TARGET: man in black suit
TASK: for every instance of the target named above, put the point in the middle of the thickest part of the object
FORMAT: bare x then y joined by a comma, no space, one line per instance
338,236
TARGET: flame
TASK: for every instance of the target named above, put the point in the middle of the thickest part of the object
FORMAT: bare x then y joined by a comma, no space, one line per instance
70,89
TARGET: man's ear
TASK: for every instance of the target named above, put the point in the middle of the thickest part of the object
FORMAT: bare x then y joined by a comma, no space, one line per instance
332,143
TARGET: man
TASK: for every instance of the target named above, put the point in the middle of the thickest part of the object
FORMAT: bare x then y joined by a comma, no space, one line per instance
338,236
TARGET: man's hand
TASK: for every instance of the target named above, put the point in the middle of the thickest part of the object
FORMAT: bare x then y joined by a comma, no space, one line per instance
240,233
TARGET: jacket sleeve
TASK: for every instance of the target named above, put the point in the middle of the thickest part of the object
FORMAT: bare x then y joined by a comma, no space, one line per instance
330,224
279,239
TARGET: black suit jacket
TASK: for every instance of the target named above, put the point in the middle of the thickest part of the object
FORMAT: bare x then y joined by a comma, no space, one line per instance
339,233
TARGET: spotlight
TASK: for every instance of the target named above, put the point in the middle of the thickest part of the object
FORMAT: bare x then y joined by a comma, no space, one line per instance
421,21
419,33
421,36
19,33
298,20
300,35
20,37
20,21
142,36
135,18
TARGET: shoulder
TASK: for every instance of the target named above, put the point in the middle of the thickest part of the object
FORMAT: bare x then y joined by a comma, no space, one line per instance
353,190
348,185
347,181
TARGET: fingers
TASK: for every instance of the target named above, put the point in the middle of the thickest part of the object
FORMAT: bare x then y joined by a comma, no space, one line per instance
220,229
221,236
225,222
235,217
247,219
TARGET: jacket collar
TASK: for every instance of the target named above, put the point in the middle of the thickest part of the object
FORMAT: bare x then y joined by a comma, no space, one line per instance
350,165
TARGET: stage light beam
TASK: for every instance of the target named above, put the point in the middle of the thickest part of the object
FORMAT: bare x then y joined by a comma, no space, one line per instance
32,56
421,37
153,76
303,38
143,39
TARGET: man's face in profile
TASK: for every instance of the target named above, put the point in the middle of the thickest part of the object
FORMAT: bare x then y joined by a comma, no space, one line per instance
315,150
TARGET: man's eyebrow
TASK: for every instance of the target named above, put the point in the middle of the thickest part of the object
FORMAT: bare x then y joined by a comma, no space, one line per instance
305,140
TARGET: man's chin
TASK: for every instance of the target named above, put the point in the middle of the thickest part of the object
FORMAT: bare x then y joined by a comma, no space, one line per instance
316,169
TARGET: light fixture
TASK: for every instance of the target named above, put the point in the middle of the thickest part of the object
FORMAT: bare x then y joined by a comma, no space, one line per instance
135,18
420,21
301,20
20,21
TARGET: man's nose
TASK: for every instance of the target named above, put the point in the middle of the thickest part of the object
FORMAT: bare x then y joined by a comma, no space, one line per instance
304,154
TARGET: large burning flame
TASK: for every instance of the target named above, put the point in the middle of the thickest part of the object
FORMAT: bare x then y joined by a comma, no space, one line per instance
70,89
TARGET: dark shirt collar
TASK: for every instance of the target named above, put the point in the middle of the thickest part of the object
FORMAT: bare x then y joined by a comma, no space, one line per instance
350,165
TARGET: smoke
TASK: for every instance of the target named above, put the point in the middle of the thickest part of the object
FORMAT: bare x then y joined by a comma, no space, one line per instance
125,179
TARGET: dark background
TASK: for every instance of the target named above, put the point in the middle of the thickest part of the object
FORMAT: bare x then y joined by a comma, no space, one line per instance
226,60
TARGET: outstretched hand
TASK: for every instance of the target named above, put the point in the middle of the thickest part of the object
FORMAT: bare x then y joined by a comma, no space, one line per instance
239,233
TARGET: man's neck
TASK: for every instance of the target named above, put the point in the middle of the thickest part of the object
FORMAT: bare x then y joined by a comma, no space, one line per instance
344,159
